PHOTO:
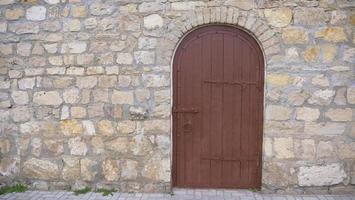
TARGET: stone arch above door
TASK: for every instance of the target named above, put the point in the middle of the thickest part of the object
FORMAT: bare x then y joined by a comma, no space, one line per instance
248,21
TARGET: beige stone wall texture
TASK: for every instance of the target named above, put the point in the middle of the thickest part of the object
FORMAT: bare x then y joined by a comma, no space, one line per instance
85,90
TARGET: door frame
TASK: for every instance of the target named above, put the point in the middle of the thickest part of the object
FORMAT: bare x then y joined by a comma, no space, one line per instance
177,45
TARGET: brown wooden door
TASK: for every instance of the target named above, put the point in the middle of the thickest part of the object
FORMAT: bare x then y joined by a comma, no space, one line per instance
217,109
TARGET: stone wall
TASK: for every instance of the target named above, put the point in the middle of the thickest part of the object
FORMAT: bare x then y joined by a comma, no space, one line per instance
85,90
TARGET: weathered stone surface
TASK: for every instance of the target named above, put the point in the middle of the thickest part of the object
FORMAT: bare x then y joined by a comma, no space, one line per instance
157,169
100,8
153,21
89,128
111,170
157,126
71,96
325,175
322,97
310,16
325,149
283,148
47,98
23,27
242,4
307,114
36,13
144,57
124,58
349,55
71,168
78,11
154,80
126,127
122,97
129,170
332,34
326,129
105,127
71,127
118,145
350,95
14,14
77,147
295,36
97,145
320,80
20,97
279,17
86,82
339,114
54,146
278,80
274,112
88,169
40,169
297,97
9,167
311,54
74,47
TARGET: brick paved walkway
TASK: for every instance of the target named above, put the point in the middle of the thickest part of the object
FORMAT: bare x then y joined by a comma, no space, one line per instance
178,195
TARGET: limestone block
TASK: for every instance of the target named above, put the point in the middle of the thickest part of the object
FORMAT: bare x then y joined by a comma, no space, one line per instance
325,149
325,128
310,16
36,13
157,169
77,147
40,169
339,114
279,17
111,169
153,21
124,58
307,114
283,148
144,57
242,4
105,128
321,175
14,14
129,170
279,80
119,145
122,97
86,82
71,127
88,169
23,27
71,168
47,98
88,127
350,95
274,112
322,97
156,80
332,34
126,127
20,97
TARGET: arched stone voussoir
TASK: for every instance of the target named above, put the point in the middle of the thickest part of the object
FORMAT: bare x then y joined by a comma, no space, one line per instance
248,21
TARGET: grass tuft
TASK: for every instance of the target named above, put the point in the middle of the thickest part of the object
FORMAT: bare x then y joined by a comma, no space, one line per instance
82,191
14,188
106,192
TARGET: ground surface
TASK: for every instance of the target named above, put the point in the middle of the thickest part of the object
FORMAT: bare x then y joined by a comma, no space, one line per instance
178,195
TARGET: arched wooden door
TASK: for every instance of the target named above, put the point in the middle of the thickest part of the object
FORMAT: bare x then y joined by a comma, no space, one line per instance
218,79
